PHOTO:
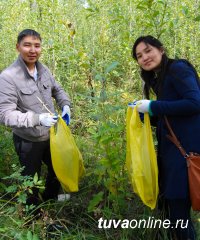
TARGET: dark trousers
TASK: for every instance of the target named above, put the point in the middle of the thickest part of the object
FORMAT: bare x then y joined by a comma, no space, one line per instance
178,212
31,155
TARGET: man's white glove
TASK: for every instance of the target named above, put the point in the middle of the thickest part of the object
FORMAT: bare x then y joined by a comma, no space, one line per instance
66,114
47,120
143,106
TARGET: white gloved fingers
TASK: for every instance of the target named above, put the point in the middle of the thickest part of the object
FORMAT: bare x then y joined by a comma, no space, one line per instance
47,120
132,104
143,105
66,110
53,122
44,115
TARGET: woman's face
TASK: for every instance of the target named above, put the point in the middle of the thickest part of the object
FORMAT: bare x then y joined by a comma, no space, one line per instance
148,57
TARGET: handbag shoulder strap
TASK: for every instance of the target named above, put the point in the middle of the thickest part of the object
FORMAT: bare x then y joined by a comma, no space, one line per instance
172,137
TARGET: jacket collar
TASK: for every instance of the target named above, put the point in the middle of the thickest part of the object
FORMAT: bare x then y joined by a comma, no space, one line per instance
39,66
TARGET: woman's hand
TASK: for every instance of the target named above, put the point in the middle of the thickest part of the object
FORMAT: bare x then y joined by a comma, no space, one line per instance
143,105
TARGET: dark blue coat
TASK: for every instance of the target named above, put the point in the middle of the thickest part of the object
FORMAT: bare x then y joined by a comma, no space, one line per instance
180,102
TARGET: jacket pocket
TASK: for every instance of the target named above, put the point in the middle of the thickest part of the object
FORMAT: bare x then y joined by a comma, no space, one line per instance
28,96
46,89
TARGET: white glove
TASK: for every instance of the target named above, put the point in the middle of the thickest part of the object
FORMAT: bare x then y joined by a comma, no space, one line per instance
132,104
143,106
66,114
47,120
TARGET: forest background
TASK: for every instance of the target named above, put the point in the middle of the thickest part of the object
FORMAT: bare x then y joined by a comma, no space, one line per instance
87,46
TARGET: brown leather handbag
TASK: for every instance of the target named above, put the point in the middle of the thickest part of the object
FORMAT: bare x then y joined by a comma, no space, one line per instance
193,164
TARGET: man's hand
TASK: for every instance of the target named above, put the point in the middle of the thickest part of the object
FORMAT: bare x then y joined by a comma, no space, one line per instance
47,120
66,114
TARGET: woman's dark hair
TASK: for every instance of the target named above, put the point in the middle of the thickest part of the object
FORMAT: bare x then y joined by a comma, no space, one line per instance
152,80
28,32
147,40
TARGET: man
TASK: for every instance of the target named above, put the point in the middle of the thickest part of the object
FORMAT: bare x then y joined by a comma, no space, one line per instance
26,105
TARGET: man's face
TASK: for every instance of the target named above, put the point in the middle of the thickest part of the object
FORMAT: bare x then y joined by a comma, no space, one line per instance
29,49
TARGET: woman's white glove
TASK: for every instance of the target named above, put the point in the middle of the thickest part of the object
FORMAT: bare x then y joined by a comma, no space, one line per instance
47,120
143,106
66,114
132,104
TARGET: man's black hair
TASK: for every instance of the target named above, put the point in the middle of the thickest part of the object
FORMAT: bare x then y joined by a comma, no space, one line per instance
28,32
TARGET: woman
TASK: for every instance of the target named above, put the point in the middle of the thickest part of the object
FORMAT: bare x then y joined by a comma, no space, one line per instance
176,86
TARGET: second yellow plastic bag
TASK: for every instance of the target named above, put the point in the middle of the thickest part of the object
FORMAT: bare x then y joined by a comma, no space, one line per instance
141,159
66,158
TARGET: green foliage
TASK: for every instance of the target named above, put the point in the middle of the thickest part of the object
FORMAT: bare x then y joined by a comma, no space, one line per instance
95,201
31,236
7,152
21,186
14,213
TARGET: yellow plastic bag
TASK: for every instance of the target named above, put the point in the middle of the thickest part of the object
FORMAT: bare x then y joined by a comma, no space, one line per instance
66,158
141,159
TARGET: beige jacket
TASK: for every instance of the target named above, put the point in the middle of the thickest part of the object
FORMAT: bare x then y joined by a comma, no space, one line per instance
19,104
